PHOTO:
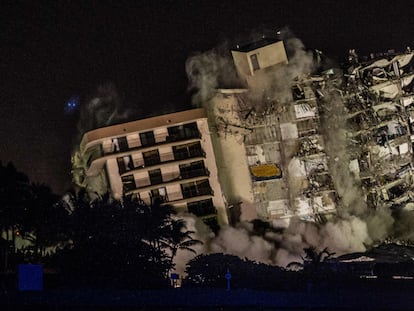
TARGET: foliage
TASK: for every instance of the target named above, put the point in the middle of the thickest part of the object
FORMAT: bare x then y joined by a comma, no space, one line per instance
27,211
121,244
209,271
313,262
99,242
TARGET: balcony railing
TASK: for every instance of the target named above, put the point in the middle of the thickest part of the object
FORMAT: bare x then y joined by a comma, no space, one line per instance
170,178
182,155
202,210
183,136
159,139
196,191
177,156
194,173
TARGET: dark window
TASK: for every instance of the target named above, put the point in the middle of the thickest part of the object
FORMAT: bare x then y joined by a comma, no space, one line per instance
202,208
193,189
187,151
119,144
192,169
184,131
147,138
255,62
125,164
159,195
151,157
155,177
298,93
128,183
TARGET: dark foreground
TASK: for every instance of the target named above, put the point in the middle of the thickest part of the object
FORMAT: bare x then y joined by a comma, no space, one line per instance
314,297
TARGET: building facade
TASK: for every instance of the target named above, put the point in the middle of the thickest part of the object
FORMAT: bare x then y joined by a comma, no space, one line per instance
168,158
380,115
270,154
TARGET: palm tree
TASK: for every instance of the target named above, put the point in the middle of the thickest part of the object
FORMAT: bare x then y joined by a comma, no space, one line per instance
312,261
179,238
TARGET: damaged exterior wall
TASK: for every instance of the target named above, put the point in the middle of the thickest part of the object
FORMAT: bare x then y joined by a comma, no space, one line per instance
273,157
379,100
270,155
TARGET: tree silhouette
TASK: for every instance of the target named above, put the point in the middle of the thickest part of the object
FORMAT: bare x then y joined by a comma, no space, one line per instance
44,222
116,243
14,201
209,270
179,238
313,261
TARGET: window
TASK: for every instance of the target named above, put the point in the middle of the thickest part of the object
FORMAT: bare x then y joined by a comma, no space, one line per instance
119,144
192,169
193,189
184,131
147,138
255,62
151,157
187,151
155,176
128,183
159,195
125,164
202,208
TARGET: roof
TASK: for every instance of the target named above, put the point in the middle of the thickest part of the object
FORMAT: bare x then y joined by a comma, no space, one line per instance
143,124
255,45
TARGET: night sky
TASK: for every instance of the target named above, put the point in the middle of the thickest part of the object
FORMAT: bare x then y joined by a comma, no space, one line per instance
51,51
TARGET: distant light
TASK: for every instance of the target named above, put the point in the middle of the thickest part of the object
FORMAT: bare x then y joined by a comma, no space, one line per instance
402,277
72,105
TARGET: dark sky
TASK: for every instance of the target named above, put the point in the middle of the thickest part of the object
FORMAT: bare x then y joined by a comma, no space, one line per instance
52,50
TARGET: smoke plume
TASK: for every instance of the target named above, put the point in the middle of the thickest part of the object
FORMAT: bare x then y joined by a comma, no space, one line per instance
354,228
205,72
105,107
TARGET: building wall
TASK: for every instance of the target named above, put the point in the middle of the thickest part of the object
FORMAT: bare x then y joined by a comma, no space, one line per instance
267,56
145,162
230,153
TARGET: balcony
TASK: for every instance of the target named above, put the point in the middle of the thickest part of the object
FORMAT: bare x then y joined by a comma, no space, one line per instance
168,179
196,189
194,173
183,136
149,139
202,208
153,160
183,132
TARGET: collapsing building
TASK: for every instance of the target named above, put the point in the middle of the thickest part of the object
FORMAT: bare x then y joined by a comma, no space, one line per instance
380,114
262,147
270,153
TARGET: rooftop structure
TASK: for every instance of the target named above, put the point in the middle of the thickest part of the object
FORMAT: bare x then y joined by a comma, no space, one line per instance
252,58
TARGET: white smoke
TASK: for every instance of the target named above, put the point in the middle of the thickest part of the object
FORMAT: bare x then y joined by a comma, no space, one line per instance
239,241
105,107
206,70
354,228
201,233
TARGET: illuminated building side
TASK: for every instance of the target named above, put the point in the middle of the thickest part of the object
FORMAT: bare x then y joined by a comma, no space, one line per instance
168,158
380,105
270,155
